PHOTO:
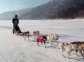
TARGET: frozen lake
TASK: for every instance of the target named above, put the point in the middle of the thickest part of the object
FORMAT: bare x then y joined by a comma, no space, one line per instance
14,49
71,28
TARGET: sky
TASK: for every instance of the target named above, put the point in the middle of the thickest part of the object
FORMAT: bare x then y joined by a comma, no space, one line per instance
11,5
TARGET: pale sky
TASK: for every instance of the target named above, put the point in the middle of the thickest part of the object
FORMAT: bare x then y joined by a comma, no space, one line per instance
11,5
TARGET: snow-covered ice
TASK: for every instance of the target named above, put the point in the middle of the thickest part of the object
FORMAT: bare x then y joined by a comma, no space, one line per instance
14,49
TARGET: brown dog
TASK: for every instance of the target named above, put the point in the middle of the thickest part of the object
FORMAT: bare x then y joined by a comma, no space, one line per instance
25,34
35,33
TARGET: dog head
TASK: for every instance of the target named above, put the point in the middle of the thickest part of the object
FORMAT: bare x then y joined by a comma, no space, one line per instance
35,33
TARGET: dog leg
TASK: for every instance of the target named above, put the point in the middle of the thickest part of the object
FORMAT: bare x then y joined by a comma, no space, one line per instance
51,43
81,53
68,54
44,44
63,52
24,37
28,37
41,42
77,50
38,42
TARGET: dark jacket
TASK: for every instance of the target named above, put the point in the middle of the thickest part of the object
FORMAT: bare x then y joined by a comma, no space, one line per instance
15,21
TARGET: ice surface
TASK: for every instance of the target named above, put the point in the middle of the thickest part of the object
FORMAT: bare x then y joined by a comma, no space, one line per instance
14,49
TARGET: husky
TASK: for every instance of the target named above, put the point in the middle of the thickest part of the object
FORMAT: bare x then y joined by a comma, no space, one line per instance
42,39
25,34
72,46
36,33
52,37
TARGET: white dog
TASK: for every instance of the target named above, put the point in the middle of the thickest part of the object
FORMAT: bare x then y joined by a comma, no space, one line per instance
52,37
68,47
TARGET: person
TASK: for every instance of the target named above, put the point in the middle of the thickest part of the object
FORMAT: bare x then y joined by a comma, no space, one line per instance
15,22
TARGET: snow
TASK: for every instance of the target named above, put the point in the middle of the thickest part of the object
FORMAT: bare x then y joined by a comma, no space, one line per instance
15,49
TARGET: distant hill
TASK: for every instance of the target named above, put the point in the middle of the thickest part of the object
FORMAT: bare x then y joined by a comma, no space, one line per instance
57,9
53,9
9,15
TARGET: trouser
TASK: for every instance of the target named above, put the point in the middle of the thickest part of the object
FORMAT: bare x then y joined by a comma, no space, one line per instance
16,29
